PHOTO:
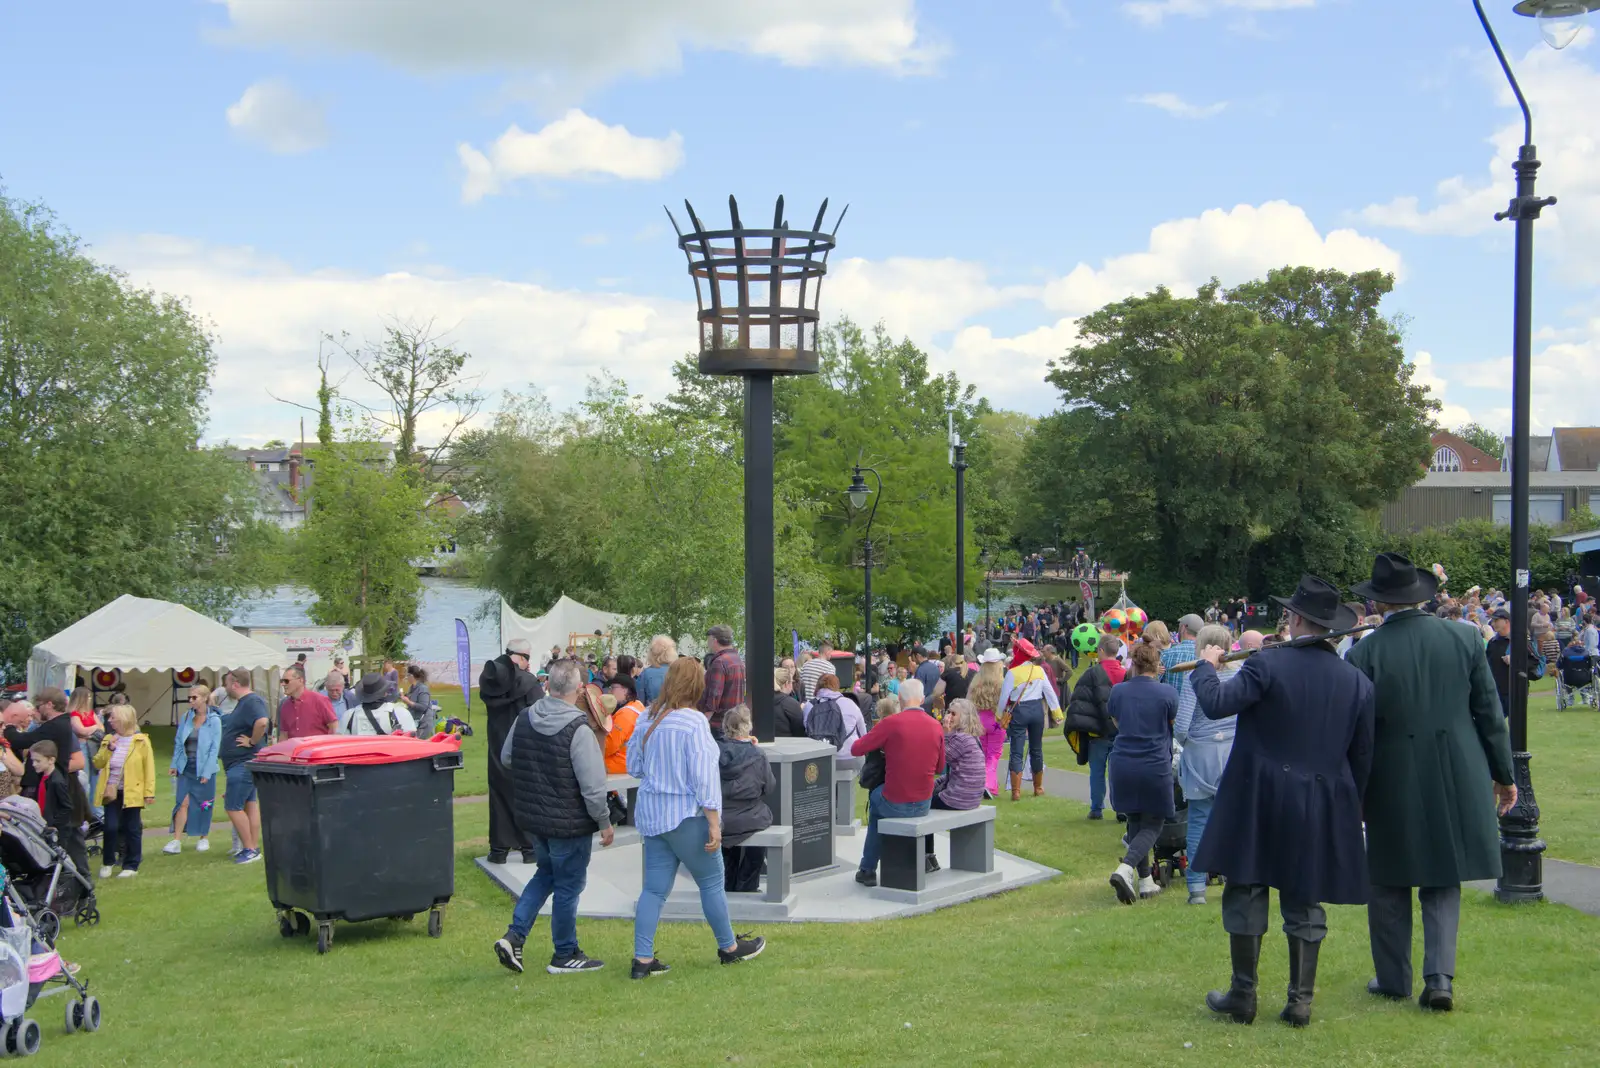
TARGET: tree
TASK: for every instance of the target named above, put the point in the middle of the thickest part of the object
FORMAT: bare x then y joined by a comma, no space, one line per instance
366,526
107,488
1481,437
1229,441
419,375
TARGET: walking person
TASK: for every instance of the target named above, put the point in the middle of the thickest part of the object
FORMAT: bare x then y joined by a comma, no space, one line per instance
1288,808
1206,746
679,815
1089,714
506,686
127,786
560,776
194,766
1025,695
984,693
1441,772
1141,768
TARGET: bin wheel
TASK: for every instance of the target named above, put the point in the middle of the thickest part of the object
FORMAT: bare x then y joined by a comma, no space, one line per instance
28,1035
435,923
324,936
408,917
49,926
286,925
302,923
91,1014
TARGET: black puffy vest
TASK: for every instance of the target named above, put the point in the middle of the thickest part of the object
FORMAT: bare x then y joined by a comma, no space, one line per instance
547,798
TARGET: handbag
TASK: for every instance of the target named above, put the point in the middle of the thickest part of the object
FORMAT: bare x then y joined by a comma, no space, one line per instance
874,770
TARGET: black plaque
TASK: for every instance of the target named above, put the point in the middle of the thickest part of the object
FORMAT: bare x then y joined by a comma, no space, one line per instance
812,813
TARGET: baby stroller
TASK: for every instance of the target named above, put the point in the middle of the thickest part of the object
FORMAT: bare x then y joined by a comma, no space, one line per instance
1575,679
41,879
29,970
1170,858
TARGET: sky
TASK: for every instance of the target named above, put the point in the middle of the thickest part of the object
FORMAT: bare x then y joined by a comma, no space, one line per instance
499,168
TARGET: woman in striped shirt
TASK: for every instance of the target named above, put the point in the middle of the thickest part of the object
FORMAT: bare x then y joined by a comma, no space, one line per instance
679,816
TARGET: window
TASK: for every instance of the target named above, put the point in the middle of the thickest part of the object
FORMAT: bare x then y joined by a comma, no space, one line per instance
1594,502
269,467
1445,459
1546,508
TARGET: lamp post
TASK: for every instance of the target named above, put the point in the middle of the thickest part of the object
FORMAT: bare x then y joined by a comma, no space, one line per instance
858,493
757,292
1521,850
958,460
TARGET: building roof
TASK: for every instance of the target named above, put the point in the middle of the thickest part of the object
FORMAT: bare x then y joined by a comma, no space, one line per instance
1538,454
1473,459
1584,541
1577,447
1537,478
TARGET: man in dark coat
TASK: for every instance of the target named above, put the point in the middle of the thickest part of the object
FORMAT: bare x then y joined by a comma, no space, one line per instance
507,687
1288,807
1441,761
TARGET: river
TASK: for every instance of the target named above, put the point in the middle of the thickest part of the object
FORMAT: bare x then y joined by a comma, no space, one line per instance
432,639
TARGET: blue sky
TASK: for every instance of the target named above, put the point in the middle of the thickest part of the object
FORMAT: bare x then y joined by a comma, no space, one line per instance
499,166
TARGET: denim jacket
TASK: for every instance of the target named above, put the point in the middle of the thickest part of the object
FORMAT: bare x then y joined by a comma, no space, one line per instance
205,756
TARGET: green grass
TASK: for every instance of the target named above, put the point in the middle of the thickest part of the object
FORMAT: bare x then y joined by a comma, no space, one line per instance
190,968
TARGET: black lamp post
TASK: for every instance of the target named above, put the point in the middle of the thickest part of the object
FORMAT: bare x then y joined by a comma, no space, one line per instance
858,493
757,292
1521,849
958,460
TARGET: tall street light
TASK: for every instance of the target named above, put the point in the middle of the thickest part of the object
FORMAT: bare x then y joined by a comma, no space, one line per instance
1521,850
858,493
958,460
757,293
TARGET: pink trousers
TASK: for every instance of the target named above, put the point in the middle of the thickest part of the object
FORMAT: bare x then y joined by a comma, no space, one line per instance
993,743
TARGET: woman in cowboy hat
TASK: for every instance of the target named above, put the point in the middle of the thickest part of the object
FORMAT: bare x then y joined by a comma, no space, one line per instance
1288,807
1024,696
1441,766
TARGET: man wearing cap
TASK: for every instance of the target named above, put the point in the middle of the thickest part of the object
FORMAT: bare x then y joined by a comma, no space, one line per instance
1498,655
1441,769
1181,652
1288,809
724,677
507,687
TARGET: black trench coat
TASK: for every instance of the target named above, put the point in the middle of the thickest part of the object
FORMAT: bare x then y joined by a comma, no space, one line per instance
1288,808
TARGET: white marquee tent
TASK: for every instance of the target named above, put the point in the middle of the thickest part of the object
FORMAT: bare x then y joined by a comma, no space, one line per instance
569,621
145,641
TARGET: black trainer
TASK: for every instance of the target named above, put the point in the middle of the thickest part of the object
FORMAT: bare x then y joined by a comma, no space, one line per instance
578,962
867,878
529,857
645,969
744,948
497,856
509,952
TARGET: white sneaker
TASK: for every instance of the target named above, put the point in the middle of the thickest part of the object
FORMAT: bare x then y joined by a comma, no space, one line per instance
202,846
127,874
1122,881
1148,887
105,872
172,847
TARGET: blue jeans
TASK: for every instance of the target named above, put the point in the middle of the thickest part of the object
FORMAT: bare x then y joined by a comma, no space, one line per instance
562,871
1099,750
1199,814
685,844
1027,727
878,808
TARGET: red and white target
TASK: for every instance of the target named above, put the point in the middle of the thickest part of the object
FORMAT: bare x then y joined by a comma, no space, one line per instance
107,678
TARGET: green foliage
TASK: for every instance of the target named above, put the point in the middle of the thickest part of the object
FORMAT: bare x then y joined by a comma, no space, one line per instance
1228,442
1481,437
366,526
107,491
1477,552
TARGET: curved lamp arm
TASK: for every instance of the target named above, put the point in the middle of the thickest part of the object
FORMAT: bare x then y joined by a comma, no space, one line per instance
1522,102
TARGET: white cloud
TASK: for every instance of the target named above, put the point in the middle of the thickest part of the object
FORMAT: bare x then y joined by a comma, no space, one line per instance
1561,89
582,45
1154,12
1178,107
1010,370
1425,373
273,115
913,297
1234,246
573,146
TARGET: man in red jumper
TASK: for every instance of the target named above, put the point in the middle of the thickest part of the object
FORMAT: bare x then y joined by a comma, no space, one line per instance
913,750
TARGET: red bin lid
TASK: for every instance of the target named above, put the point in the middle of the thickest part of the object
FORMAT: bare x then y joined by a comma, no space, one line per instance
359,749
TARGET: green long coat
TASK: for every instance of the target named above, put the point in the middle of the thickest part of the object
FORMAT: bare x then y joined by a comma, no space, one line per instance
1440,739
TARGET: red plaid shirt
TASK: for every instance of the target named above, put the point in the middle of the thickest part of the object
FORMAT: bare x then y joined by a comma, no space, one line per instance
724,686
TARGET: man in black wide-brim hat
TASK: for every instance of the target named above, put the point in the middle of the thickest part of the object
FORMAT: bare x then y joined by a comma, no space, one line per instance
1288,808
1441,762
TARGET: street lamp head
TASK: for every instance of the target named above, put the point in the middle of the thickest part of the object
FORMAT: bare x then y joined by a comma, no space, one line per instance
1559,20
858,490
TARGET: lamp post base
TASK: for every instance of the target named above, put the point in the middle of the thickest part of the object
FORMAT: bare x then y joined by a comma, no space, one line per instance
1521,848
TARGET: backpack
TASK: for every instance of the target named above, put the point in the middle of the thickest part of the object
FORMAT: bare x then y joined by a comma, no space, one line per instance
1537,665
826,722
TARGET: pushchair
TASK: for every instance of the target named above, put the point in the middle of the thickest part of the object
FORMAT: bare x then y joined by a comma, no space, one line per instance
31,969
1170,857
41,880
1575,679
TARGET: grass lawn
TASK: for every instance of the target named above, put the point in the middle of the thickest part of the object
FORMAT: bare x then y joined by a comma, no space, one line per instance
190,968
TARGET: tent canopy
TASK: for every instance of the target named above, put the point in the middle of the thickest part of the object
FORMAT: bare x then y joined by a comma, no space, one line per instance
556,627
140,634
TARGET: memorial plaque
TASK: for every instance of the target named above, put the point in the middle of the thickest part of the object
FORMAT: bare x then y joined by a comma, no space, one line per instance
811,814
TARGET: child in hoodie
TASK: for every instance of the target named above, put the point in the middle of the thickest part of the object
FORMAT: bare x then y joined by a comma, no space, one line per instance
746,779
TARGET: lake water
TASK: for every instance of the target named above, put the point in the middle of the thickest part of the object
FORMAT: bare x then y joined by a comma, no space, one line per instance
432,639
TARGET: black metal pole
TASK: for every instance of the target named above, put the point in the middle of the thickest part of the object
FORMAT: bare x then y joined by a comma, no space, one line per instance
866,607
1521,849
759,622
961,546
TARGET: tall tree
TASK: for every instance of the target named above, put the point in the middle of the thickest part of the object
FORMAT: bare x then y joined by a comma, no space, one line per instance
423,381
108,490
1480,436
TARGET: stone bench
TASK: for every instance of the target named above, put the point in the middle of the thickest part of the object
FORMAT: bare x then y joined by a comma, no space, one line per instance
971,845
844,800
628,787
778,841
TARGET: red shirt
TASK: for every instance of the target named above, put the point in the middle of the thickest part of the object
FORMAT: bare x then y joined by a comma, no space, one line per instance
310,713
1114,669
913,748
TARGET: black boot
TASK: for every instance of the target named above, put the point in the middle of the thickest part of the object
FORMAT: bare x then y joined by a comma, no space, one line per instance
1302,981
1239,1003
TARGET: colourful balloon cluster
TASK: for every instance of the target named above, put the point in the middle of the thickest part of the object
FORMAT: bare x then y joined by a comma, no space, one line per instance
1114,621
1137,618
1086,637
